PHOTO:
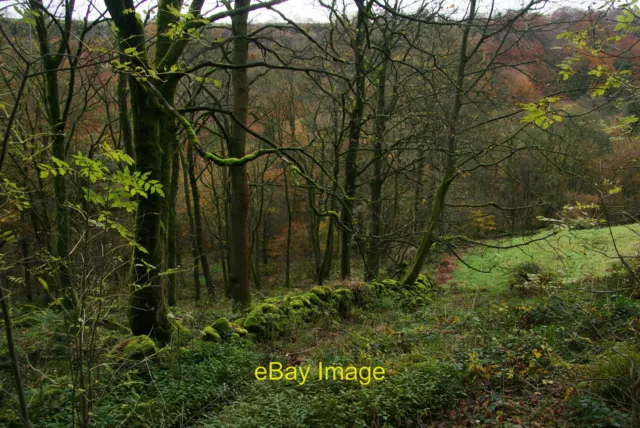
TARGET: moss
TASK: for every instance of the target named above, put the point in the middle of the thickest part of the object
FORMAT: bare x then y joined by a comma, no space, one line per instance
344,294
268,308
254,320
242,332
211,335
239,322
296,304
421,288
235,336
320,292
315,300
223,327
138,347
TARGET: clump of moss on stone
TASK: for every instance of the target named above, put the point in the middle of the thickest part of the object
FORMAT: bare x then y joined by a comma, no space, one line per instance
296,304
313,299
322,291
263,319
242,332
211,335
223,327
138,347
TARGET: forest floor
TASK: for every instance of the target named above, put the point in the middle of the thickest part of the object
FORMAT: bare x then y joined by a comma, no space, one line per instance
541,335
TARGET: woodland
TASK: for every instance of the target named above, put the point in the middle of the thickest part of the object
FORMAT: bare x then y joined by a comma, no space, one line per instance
445,191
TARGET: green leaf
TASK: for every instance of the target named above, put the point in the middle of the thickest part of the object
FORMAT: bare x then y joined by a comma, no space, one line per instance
44,283
616,189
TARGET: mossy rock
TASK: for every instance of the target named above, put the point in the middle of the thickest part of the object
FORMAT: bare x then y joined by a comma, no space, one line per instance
223,327
313,299
322,291
254,320
344,294
391,284
421,288
242,332
211,335
319,291
296,304
138,347
268,308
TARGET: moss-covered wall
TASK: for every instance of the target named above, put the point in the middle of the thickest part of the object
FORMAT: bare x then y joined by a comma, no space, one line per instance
278,315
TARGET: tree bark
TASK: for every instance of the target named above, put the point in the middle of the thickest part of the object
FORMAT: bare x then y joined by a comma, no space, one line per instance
373,256
239,269
13,356
171,225
355,124
199,230
192,231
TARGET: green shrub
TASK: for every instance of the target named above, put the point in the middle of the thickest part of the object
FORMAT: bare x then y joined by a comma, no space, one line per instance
529,278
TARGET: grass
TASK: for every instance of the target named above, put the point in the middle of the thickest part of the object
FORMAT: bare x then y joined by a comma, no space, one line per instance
574,255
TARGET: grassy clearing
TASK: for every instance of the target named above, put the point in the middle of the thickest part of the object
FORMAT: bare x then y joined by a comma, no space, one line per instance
574,255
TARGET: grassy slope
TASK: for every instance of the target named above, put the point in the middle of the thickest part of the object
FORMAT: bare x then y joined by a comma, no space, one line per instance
574,255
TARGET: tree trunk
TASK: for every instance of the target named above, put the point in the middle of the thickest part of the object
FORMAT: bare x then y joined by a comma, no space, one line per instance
147,305
192,231
239,269
171,224
126,133
373,256
199,231
13,356
431,233
355,124
287,263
